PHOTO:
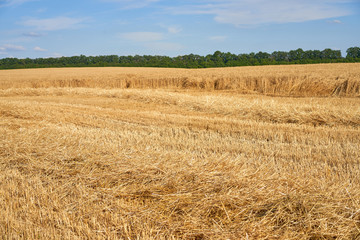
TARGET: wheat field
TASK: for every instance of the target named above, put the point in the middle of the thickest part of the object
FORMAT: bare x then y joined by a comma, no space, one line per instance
268,152
320,80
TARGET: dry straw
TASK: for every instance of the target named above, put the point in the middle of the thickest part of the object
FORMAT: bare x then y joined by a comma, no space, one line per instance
92,160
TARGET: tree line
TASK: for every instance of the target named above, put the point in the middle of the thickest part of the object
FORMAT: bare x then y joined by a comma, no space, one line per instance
217,59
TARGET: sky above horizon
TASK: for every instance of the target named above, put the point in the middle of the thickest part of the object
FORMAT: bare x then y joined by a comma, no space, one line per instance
53,28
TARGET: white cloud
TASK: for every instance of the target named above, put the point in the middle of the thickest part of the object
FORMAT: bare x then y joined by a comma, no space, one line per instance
254,12
336,21
142,36
53,24
11,47
218,38
39,49
32,34
174,29
131,4
13,3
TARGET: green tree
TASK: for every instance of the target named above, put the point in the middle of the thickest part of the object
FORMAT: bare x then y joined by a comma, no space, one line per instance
353,52
217,58
297,54
331,54
280,56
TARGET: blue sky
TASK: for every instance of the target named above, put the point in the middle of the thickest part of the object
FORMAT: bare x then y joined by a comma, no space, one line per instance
54,28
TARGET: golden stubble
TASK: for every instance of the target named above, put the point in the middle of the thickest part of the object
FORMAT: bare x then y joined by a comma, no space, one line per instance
175,162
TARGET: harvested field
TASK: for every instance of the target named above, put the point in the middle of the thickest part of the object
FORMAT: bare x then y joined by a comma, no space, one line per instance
135,153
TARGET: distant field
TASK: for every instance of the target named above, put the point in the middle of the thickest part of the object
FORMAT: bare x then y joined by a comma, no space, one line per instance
268,152
342,79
